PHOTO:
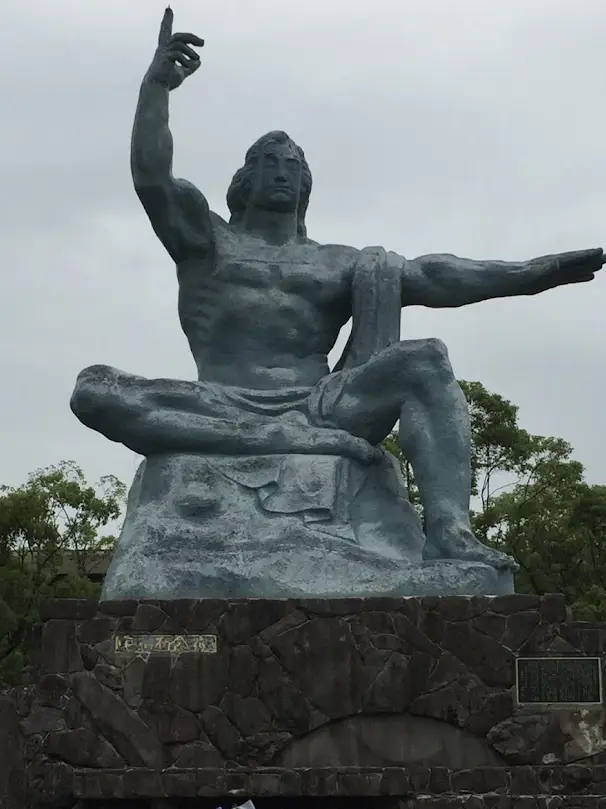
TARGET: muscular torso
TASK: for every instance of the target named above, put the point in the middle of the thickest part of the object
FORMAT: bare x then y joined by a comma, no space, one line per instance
262,316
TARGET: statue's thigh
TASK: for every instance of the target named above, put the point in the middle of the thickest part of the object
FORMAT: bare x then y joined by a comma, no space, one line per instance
371,395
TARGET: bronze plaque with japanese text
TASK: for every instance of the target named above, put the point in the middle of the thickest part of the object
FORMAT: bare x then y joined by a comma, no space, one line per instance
165,644
559,680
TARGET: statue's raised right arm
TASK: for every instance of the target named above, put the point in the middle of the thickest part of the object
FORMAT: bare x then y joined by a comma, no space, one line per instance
178,212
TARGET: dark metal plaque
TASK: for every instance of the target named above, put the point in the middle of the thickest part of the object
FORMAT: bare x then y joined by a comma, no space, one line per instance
165,644
559,680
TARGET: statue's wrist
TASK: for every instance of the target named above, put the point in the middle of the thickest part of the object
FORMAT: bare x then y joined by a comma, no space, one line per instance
153,79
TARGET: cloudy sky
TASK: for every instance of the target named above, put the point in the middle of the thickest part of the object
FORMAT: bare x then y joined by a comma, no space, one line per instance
475,127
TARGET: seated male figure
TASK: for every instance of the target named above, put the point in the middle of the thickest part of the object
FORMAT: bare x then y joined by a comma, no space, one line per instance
262,306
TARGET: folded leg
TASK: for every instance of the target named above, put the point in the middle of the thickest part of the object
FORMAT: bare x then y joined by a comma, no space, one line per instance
413,381
151,416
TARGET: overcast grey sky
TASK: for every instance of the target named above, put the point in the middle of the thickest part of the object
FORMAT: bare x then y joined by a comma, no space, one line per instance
474,127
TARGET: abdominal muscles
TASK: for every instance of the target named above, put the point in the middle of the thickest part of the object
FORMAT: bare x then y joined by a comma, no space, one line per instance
252,336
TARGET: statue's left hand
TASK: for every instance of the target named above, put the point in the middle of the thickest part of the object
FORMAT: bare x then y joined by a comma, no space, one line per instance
568,268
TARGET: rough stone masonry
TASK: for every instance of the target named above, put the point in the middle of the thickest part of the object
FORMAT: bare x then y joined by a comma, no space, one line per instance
314,697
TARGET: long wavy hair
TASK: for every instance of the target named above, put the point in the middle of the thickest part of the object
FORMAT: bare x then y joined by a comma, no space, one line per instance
240,187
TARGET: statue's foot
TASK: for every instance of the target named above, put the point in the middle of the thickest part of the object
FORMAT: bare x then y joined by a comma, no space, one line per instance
456,541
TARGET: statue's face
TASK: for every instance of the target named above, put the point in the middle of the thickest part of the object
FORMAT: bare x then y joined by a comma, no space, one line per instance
278,178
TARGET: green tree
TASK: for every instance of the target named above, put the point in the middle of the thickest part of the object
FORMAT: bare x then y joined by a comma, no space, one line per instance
530,500
552,522
500,448
392,445
50,539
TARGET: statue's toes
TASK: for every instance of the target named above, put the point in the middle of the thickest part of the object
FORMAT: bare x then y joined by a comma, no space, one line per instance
498,559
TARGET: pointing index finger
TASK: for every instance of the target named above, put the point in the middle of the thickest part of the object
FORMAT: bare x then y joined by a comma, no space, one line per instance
166,26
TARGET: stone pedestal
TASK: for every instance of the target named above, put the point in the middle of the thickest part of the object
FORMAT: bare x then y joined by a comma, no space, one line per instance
11,756
405,702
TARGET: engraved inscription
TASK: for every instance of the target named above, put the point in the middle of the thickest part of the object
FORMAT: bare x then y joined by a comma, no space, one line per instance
559,680
165,644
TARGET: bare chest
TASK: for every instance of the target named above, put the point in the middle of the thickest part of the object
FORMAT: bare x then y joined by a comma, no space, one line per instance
309,272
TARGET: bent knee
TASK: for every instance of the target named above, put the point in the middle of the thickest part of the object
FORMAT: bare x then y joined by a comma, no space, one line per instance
434,352
96,393
428,359
96,375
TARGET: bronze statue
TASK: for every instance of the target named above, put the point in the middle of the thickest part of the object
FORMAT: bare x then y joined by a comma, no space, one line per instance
265,476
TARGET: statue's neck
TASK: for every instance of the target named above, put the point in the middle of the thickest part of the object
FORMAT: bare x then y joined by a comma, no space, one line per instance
275,227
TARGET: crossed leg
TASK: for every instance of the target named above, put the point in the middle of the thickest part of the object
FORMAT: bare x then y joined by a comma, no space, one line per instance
151,416
413,380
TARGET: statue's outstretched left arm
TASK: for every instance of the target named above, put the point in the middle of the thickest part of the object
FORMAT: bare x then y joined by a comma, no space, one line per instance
443,281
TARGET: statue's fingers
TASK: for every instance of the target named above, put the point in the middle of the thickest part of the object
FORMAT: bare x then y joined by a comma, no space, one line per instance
598,260
577,256
595,258
166,26
580,263
192,66
581,279
181,58
181,47
188,39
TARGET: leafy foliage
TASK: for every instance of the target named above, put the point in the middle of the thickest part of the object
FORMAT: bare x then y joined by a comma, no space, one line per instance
50,540
530,499
392,445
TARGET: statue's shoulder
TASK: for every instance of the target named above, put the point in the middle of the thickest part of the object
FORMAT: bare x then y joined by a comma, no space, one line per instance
343,250
219,224
340,256
227,237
